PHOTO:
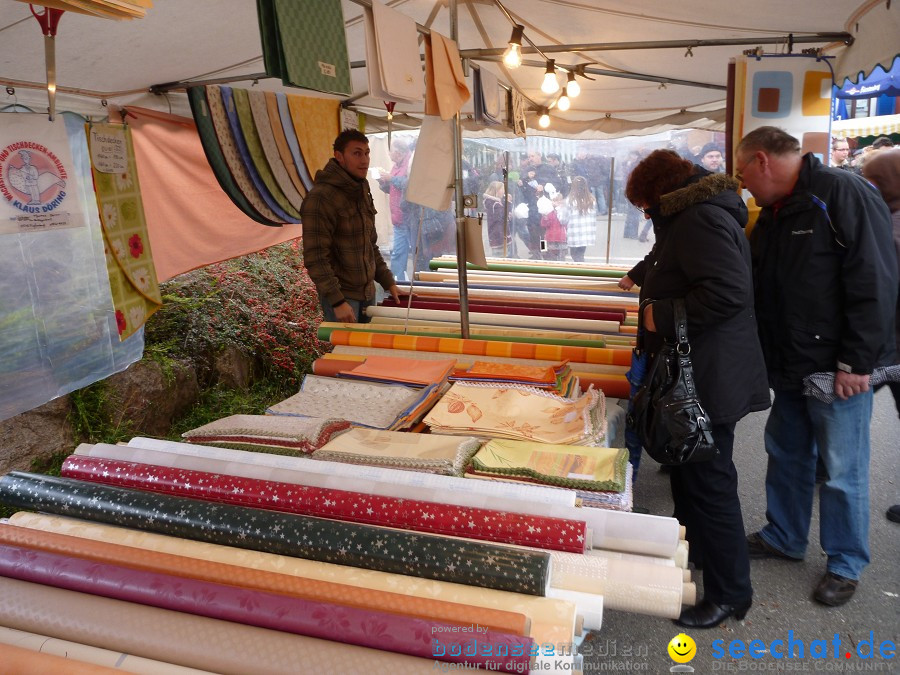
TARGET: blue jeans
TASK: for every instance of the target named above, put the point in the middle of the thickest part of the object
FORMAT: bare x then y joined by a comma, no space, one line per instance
800,429
357,305
403,242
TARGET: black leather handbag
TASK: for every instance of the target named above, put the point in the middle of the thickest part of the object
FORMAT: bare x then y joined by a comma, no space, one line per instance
666,413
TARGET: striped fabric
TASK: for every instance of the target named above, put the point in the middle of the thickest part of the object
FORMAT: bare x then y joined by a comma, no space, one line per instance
619,357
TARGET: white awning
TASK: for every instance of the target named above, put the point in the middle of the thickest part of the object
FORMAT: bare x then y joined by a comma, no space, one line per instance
866,126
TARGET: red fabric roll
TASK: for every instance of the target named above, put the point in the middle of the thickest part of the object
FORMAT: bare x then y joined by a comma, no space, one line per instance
351,625
558,534
487,307
331,367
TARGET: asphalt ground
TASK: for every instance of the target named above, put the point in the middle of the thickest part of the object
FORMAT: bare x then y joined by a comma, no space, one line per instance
782,602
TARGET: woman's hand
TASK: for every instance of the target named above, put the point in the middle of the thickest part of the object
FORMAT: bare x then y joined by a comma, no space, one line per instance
626,283
649,324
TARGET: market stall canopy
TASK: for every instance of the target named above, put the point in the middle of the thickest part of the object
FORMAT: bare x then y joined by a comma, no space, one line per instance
879,82
634,89
882,125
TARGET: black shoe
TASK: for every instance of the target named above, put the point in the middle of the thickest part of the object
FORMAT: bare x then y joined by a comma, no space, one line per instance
758,547
893,513
709,615
834,590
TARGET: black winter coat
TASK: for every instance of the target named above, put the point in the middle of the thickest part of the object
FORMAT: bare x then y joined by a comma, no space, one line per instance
702,255
826,277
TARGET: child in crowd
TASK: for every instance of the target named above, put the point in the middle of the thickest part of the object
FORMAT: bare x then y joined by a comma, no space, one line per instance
554,230
494,211
580,218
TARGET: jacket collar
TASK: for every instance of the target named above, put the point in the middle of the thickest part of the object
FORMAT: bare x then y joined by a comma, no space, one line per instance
696,192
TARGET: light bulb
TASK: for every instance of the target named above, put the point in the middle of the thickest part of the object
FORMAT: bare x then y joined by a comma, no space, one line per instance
544,121
550,85
512,57
573,86
563,103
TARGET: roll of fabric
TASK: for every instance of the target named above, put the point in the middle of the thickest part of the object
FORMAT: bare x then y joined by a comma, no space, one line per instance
369,479
76,651
427,556
627,532
619,357
271,582
192,641
18,661
556,323
552,621
500,308
366,628
331,367
538,268
642,588
352,507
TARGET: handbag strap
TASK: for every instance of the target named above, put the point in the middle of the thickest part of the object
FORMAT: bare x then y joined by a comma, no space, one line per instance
683,347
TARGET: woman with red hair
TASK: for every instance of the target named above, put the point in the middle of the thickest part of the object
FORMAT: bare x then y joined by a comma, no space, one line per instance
702,256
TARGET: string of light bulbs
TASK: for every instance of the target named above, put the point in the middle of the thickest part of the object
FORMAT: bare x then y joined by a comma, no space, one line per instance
512,58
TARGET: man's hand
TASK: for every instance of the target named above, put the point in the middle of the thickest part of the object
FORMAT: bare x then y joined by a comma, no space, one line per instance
395,293
848,384
344,313
626,283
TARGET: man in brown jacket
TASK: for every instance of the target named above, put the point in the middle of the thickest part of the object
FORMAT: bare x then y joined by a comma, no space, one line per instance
339,238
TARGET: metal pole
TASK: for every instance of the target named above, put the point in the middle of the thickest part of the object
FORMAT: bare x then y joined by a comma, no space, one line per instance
609,204
505,202
460,205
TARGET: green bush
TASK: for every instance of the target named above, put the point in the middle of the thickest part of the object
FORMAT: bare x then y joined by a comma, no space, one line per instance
263,304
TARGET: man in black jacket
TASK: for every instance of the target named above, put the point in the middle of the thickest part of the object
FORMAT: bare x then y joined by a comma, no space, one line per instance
825,277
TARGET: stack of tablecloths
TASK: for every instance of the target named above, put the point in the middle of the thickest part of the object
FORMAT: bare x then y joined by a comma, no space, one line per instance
558,378
431,453
280,435
394,370
368,404
520,413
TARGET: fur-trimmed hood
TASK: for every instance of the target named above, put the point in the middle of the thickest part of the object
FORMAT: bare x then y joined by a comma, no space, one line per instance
706,187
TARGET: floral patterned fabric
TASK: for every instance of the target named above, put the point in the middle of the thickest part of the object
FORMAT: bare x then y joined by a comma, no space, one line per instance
132,276
520,413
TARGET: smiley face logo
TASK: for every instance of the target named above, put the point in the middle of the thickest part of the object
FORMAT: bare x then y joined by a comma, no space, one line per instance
682,648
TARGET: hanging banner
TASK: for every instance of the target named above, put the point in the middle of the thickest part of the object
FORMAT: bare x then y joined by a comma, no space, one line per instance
790,91
37,183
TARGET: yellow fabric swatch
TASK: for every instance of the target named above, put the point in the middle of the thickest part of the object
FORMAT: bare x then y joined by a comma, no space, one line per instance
316,123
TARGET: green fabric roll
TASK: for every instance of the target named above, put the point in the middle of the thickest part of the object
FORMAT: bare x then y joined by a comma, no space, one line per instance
324,334
210,143
395,551
532,269
257,154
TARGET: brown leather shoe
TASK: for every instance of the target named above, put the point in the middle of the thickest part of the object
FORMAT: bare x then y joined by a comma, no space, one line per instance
834,590
757,547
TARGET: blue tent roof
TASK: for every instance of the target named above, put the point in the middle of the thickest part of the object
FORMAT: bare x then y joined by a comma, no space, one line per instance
877,83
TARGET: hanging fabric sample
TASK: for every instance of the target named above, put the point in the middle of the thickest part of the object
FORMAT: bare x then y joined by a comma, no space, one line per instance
57,323
179,187
281,143
305,44
431,172
446,89
393,65
215,156
244,142
363,546
290,135
517,113
316,124
129,261
486,97
263,124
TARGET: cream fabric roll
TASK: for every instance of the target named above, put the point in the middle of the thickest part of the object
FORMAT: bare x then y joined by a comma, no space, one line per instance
552,621
625,585
613,530
101,657
552,299
556,323
193,641
633,557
